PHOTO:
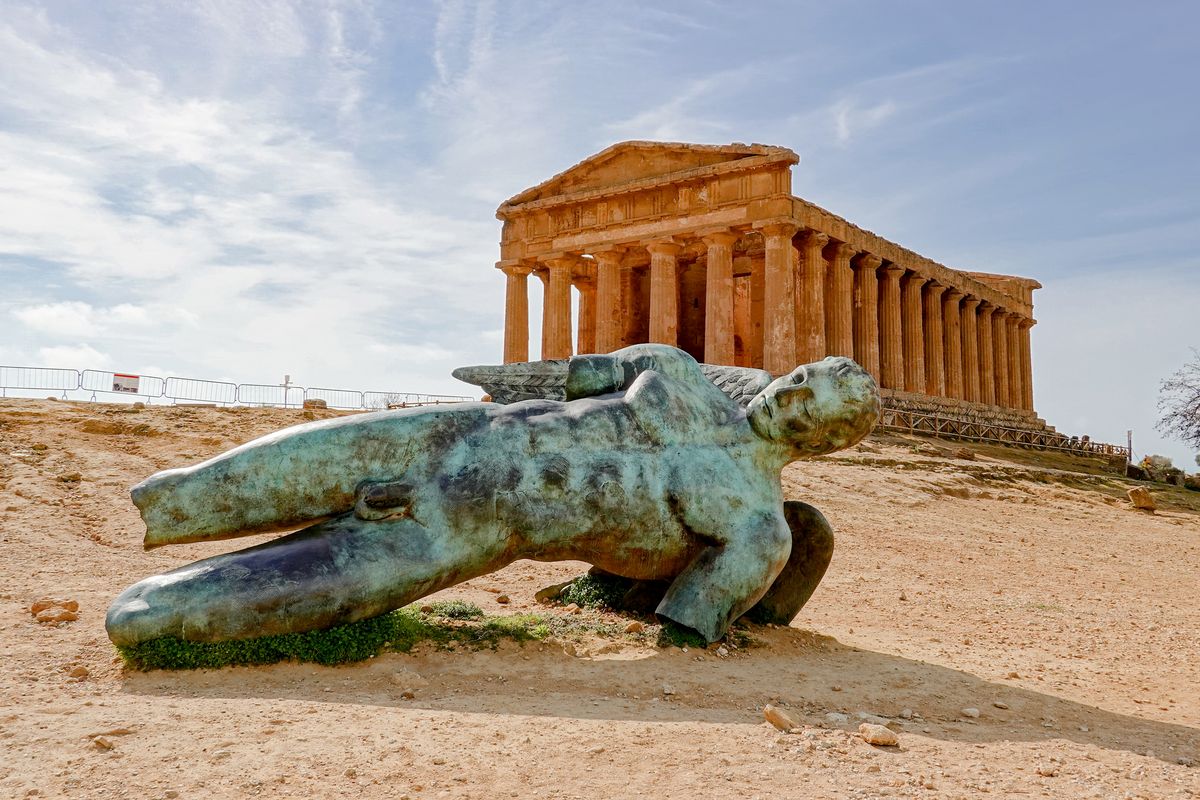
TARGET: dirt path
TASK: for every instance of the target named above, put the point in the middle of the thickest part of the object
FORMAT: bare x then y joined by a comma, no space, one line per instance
1030,593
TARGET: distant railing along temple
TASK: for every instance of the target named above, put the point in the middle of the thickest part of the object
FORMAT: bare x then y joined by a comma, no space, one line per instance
195,390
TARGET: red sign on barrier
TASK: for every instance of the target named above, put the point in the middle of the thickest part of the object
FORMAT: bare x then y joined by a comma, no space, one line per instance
125,383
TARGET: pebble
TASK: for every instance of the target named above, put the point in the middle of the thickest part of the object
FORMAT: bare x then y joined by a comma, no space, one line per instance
878,735
837,718
635,627
999,704
1012,676
102,743
836,688
572,609
906,713
51,616
971,712
502,599
350,772
779,718
872,768
408,679
79,673
53,602
722,651
407,694
668,689
1047,770
1141,499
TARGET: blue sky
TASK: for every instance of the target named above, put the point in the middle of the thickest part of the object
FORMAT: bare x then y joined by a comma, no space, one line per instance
241,190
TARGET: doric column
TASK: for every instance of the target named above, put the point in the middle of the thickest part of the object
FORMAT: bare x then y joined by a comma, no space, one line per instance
664,292
866,312
810,323
608,299
970,350
556,313
585,337
718,289
1016,376
839,301
1000,344
516,312
935,347
914,333
891,341
779,299
952,330
1026,363
987,356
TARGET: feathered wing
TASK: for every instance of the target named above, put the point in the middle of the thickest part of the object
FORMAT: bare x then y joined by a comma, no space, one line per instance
524,380
547,380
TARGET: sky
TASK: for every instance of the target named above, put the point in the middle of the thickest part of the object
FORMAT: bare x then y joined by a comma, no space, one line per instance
241,190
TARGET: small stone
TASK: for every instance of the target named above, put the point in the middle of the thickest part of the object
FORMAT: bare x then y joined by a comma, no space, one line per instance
573,609
1012,676
837,718
906,713
39,447
999,704
55,615
407,694
139,405
502,599
80,672
70,477
878,735
971,712
1141,499
407,678
102,743
426,609
350,772
722,651
668,690
52,602
835,688
221,755
1047,770
635,627
872,768
779,718
903,597
315,402
964,454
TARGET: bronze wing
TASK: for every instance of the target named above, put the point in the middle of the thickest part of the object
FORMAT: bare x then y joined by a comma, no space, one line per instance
547,380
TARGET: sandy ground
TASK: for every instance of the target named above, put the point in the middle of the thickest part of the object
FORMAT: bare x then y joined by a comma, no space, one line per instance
1022,587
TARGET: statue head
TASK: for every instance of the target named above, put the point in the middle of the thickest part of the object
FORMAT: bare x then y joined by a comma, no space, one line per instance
817,408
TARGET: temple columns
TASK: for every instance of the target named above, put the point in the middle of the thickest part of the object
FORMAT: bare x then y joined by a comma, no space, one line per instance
866,313
1016,382
935,349
718,315
839,301
810,320
1000,343
556,311
585,337
779,302
608,299
987,356
1026,363
952,335
914,333
891,362
516,312
970,350
664,292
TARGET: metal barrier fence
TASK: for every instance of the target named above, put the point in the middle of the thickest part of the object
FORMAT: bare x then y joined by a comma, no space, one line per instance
195,390
979,431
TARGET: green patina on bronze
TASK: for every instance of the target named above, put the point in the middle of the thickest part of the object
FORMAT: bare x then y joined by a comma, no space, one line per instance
648,471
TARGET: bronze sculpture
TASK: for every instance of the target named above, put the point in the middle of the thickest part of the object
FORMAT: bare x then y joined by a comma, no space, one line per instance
646,469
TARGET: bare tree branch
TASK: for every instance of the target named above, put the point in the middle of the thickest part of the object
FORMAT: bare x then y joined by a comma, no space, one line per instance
1179,403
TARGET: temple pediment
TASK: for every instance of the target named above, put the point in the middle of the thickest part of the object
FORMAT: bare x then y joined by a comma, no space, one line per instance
636,161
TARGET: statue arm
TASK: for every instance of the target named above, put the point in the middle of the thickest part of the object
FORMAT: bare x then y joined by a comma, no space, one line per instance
729,576
591,375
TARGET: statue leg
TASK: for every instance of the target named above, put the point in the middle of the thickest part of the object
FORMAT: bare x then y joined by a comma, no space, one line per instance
812,548
332,573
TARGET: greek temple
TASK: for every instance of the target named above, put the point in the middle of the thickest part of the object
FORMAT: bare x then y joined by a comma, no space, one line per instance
706,248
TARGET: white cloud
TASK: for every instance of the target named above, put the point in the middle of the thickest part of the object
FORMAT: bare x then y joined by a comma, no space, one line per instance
849,120
77,357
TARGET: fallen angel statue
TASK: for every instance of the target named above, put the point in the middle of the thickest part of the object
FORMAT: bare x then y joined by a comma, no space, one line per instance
648,466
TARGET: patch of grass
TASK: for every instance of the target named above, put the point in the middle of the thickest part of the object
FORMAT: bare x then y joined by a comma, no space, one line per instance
446,624
596,591
672,635
454,609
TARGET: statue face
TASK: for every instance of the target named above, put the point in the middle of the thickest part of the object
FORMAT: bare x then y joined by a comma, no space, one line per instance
817,408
